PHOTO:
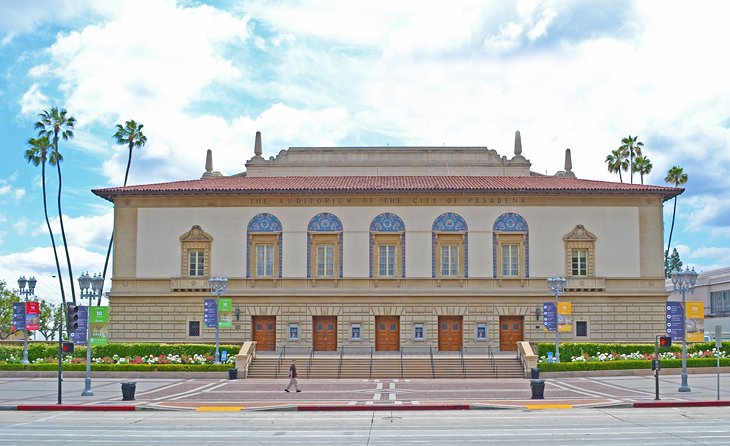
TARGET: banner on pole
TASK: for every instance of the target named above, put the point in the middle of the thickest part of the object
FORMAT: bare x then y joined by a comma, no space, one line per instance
549,316
32,316
675,321
225,316
18,316
695,321
99,324
565,317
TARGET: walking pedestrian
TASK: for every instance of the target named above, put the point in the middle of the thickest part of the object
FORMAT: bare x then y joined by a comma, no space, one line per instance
292,376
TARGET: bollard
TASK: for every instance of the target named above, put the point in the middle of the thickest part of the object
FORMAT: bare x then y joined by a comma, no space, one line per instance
232,373
538,389
128,389
534,373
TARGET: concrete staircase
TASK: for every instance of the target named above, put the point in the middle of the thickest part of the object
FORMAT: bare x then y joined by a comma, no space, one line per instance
328,366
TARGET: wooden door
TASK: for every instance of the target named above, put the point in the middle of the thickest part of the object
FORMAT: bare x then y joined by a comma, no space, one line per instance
510,332
387,333
264,332
450,333
325,333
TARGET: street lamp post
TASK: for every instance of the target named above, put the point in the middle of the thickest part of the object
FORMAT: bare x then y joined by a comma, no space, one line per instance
684,282
556,285
217,286
90,288
22,282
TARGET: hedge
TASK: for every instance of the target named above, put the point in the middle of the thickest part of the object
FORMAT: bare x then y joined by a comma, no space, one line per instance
118,367
41,350
629,364
570,349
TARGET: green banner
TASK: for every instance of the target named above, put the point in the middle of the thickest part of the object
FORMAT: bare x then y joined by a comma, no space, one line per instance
99,325
225,305
225,308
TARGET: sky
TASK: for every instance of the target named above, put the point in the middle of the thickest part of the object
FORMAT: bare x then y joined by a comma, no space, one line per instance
208,74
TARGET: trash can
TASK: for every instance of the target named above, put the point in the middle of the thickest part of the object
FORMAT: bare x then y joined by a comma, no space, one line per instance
534,373
232,373
538,389
128,389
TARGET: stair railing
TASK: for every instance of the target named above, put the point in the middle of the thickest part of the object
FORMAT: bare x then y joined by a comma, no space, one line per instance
309,361
401,363
493,361
279,361
463,364
433,364
339,366
370,375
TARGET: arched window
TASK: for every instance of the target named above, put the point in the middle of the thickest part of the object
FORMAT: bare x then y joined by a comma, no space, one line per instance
263,246
324,246
449,246
511,246
387,246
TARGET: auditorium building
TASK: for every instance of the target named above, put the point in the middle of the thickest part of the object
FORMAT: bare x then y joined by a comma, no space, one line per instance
388,247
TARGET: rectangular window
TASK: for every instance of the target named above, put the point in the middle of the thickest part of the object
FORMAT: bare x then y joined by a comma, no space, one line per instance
325,260
355,331
386,256
720,303
510,260
449,260
193,328
418,332
293,332
579,262
581,329
265,260
196,263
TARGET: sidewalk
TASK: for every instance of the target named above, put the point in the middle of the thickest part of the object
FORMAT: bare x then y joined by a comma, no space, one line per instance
164,392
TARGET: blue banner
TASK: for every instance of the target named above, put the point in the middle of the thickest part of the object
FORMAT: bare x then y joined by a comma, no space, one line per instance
210,313
675,320
550,316
18,316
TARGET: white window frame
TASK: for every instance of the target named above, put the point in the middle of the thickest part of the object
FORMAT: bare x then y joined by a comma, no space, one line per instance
510,260
579,268
265,260
355,328
325,260
293,332
479,328
449,260
419,328
386,260
196,262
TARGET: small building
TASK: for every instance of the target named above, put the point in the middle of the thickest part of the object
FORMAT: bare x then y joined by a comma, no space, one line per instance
446,248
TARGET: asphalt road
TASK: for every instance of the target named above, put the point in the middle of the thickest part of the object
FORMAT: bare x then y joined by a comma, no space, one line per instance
666,427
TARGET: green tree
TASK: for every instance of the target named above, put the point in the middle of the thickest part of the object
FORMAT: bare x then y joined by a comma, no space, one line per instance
50,316
57,123
631,148
130,135
673,263
617,162
643,166
677,177
38,154
7,298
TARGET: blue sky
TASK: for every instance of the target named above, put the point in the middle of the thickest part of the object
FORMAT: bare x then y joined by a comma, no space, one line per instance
207,75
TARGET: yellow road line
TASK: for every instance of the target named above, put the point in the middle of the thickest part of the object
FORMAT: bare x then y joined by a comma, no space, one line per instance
219,409
548,406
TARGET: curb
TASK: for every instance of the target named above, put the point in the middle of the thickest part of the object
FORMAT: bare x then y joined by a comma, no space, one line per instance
373,407
59,407
682,404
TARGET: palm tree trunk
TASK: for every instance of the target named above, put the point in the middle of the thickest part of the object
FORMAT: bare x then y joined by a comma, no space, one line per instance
50,231
671,229
63,231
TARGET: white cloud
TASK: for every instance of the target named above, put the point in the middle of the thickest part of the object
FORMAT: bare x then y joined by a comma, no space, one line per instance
32,101
21,225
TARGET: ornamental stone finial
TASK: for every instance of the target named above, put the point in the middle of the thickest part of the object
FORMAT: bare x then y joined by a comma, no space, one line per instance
518,144
209,161
568,161
257,145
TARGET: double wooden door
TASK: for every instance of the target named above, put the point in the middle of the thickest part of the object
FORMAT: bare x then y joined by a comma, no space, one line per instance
510,332
324,333
264,332
387,333
451,333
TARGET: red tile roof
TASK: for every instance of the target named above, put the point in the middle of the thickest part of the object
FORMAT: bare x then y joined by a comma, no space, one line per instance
387,184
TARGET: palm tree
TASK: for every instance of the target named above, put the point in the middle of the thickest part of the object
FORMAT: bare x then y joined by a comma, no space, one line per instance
130,135
631,148
642,165
617,162
675,176
54,124
38,155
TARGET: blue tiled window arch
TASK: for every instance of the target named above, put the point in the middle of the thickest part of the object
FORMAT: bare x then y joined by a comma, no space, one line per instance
510,222
449,222
388,223
263,223
323,222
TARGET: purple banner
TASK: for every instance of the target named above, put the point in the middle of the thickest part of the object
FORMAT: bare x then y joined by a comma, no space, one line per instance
675,320
18,316
550,316
79,335
210,313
